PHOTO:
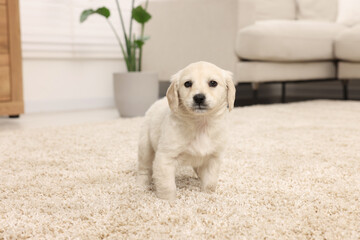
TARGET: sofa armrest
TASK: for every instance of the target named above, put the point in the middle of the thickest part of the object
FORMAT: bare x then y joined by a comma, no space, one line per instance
186,31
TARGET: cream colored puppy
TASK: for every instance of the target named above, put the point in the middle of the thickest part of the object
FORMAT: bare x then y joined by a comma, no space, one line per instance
189,128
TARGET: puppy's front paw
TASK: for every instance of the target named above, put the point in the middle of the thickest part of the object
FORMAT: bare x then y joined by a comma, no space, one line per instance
208,188
143,181
166,195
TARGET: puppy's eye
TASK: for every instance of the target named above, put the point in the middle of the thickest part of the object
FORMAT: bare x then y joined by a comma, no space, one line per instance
213,83
188,84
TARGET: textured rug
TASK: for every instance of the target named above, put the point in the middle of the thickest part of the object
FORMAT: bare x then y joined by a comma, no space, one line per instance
291,171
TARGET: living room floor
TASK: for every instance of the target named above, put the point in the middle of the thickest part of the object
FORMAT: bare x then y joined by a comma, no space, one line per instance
36,120
291,171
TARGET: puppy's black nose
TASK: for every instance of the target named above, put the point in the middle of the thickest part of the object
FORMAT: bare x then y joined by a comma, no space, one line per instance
199,98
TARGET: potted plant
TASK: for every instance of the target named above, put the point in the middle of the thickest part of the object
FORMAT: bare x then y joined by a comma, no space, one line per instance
134,90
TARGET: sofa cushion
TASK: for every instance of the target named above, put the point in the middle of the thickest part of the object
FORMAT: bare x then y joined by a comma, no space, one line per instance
275,9
283,40
347,44
319,10
349,12
279,72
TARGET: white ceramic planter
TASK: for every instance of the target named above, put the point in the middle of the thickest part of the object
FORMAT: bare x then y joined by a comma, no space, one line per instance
134,92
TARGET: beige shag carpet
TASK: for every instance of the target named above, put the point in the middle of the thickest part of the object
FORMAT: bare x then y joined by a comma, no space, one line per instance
292,171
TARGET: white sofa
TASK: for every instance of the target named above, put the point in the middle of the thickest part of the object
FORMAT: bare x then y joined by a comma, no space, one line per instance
259,40
347,52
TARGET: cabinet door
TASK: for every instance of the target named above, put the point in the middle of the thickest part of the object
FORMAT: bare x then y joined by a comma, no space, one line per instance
5,91
4,46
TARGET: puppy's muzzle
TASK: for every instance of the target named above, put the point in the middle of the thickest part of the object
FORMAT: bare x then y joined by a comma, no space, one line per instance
199,103
199,99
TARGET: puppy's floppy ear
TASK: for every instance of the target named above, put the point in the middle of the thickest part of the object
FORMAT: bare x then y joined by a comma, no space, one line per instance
230,89
172,94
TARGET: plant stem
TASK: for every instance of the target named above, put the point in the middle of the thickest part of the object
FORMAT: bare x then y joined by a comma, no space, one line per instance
142,37
140,51
120,43
131,19
132,59
127,43
134,56
140,59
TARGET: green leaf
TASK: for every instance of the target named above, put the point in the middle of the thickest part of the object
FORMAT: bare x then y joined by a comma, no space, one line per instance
141,41
103,11
140,15
84,15
145,38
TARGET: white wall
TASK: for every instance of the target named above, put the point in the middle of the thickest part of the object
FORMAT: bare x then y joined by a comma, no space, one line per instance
68,65
68,84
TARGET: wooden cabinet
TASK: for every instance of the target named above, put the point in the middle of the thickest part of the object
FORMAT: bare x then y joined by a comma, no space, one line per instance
11,93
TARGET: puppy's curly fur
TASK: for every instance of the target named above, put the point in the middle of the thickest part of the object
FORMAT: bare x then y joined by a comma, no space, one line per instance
189,128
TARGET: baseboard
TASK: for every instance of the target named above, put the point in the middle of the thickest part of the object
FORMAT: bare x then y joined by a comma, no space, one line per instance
268,93
67,104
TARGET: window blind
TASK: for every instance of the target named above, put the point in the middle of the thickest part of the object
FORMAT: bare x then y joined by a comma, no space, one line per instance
51,29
